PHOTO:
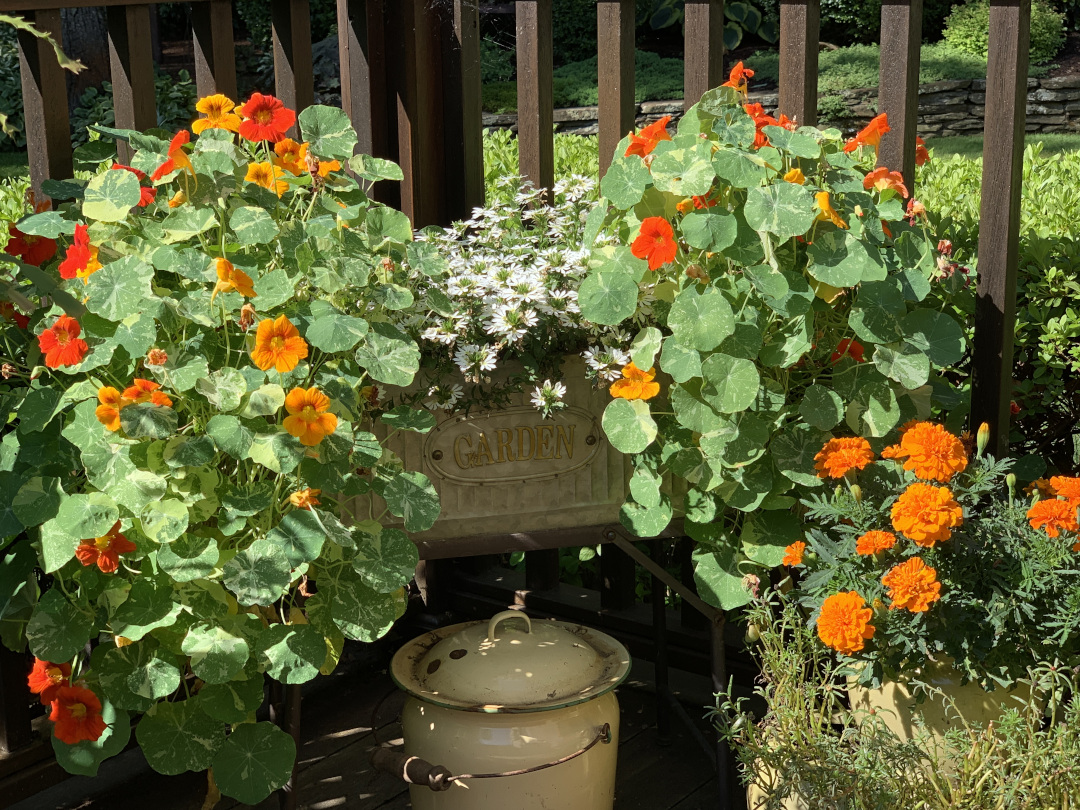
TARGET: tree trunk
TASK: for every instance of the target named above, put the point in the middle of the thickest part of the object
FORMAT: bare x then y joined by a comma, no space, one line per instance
86,37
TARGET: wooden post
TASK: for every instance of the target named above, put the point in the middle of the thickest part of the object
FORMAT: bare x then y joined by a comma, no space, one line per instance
48,131
362,49
999,227
618,579
132,66
15,699
704,47
463,110
542,569
615,44
800,26
294,80
898,87
536,143
215,52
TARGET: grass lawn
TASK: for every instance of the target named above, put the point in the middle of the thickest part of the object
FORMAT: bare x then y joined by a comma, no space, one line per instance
971,146
13,164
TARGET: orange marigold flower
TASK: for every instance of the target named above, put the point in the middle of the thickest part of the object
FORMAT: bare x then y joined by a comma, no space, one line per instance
278,344
290,156
793,554
870,135
927,514
108,411
1053,516
230,279
839,456
141,391
61,344
921,153
844,622
105,550
932,452
645,141
881,179
308,419
912,585
1066,487
655,242
848,348
265,174
795,176
738,78
35,250
635,384
305,498
266,119
177,159
219,115
826,213
1042,486
81,258
76,713
874,542
46,679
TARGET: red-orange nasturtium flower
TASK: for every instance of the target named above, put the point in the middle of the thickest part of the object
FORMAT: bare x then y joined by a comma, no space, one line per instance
46,678
141,391
655,242
912,585
874,542
1053,516
870,135
76,714
927,514
146,193
81,258
61,344
267,175
642,143
265,119
105,551
761,120
35,250
219,115
844,622
635,384
178,158
291,156
308,418
305,498
881,179
848,348
231,280
12,315
793,554
839,456
921,153
738,78
278,345
110,403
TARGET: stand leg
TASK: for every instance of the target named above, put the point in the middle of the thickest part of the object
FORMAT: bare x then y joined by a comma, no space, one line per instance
659,612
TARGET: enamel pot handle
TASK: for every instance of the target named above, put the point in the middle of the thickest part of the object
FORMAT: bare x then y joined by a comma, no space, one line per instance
502,617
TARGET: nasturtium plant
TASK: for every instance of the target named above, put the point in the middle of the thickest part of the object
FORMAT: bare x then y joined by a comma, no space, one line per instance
786,278
192,484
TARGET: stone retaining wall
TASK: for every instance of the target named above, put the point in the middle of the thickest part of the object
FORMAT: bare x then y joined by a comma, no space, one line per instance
951,107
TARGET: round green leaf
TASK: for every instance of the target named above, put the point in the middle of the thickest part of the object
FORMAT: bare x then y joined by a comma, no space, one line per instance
904,363
385,560
135,676
783,209
878,408
256,760
230,435
875,315
253,226
625,182
411,496
223,389
936,334
730,383
292,653
58,629
216,654
711,230
328,131
608,296
189,451
646,521
145,420
766,535
700,320
645,346
109,196
150,604
232,702
793,452
266,400
679,361
120,288
405,417
165,520
389,355
645,487
333,331
83,758
629,425
719,580
821,407
36,501
178,737
189,557
361,613
299,536
258,574
373,168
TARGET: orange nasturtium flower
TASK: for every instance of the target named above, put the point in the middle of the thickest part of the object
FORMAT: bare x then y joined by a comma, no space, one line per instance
913,585
81,258
108,411
655,242
839,456
61,344
278,344
265,174
927,514
870,135
635,384
266,119
881,179
848,348
1053,516
921,153
46,678
177,159
76,713
645,141
230,279
308,418
305,498
761,120
874,542
793,554
738,78
105,550
141,391
826,213
177,199
932,452
844,622
290,156
219,115
795,176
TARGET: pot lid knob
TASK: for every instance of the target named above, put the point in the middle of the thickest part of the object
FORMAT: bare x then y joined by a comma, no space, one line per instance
507,614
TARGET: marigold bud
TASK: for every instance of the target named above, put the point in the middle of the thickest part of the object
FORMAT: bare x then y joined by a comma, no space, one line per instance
247,316
1010,480
856,493
156,357
838,491
982,438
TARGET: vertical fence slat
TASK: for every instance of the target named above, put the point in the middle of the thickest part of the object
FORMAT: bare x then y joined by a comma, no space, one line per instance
294,81
15,730
898,86
615,44
999,228
704,48
362,50
463,110
48,131
542,569
215,51
800,26
536,145
132,70
618,578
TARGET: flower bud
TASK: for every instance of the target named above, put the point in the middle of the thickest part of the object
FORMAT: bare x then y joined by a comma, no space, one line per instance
752,634
838,491
696,271
982,438
856,493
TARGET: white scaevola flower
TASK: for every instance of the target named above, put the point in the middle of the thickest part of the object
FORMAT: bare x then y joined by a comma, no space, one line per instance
548,397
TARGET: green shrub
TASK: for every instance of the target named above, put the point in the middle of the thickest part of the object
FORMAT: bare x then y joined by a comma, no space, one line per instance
574,154
496,61
10,91
846,22
175,98
255,15
967,29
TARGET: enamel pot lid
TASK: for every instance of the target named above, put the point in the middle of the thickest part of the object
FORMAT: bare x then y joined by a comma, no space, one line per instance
510,664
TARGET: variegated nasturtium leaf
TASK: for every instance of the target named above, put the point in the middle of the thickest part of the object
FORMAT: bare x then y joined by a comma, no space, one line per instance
332,330
148,421
58,628
328,131
299,536
233,701
608,296
385,560
217,654
782,209
629,425
625,182
165,520
292,653
701,320
256,760
360,612
191,556
230,435
259,574
178,737
718,579
411,496
149,605
137,675
645,521
389,355
120,288
109,196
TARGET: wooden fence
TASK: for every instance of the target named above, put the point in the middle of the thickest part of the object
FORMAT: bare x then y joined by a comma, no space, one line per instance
410,82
